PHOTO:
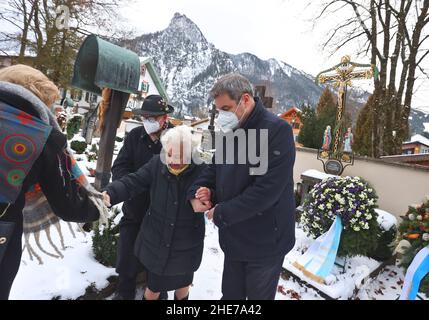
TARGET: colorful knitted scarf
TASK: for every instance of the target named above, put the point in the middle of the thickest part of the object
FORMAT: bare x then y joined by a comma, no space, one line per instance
19,150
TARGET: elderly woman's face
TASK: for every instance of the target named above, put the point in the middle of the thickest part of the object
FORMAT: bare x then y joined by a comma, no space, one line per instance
175,155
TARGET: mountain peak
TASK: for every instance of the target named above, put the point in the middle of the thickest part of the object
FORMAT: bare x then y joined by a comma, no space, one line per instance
185,27
183,22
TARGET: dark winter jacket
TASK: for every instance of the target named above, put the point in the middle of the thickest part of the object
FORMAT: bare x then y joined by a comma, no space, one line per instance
171,237
137,150
255,213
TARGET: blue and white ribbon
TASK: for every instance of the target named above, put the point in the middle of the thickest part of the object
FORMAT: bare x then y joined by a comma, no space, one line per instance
317,262
417,270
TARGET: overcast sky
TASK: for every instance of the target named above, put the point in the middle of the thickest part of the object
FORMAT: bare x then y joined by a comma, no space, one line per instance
280,29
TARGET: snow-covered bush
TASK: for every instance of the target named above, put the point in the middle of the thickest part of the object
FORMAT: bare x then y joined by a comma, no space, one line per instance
92,154
73,125
105,240
78,146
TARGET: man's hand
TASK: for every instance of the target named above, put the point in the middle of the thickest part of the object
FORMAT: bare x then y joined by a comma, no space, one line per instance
200,206
203,194
106,199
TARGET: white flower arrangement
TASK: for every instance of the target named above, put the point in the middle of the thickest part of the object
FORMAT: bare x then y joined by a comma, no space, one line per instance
351,198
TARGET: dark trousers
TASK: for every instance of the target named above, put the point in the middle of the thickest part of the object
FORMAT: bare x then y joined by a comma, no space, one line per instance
127,265
253,280
11,260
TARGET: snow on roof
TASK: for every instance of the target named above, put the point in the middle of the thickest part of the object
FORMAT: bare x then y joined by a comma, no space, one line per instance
426,125
419,138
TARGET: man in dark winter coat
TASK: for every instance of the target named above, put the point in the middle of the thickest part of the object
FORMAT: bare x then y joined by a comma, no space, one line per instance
33,152
139,147
255,206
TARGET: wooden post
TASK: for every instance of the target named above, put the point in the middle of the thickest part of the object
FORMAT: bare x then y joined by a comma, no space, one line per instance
118,101
266,101
211,126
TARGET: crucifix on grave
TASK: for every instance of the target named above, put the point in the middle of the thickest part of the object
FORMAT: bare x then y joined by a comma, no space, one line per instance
106,69
341,76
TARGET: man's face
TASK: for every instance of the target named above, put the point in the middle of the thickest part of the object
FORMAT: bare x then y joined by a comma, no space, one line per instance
160,119
225,103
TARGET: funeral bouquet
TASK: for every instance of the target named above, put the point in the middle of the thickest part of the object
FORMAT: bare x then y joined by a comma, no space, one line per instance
414,228
354,201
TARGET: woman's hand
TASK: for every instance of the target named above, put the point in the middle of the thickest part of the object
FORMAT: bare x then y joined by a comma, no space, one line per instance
106,199
200,206
203,194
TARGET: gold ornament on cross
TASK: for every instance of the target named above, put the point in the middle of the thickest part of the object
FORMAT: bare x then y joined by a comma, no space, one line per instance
341,76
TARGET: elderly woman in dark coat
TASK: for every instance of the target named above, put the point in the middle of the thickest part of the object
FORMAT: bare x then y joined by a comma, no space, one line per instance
171,238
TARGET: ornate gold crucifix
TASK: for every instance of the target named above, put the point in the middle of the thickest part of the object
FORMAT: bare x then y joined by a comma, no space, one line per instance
344,73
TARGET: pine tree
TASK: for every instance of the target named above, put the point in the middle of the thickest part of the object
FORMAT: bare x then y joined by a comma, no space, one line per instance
326,100
307,133
363,138
326,115
315,121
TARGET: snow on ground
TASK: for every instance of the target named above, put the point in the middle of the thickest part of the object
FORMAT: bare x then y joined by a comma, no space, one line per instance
67,278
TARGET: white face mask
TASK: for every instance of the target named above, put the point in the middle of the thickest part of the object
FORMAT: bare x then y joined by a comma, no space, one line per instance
228,120
151,125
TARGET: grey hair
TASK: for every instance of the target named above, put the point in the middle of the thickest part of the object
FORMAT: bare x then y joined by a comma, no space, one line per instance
180,134
234,85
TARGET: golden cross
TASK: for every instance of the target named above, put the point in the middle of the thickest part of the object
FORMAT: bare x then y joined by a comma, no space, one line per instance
345,72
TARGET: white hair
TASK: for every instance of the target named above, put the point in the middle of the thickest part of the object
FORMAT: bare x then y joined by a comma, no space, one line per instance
181,134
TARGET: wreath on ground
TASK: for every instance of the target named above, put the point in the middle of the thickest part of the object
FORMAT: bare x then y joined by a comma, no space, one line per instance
354,201
415,229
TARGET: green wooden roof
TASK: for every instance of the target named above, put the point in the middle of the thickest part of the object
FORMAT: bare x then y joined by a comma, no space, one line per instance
148,62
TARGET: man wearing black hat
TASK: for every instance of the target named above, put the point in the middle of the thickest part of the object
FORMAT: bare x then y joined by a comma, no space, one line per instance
139,146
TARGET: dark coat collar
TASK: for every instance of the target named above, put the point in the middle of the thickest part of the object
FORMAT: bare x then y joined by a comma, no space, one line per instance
255,116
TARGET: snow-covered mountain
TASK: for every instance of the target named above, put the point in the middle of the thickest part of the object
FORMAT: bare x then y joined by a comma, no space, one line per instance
419,122
189,65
